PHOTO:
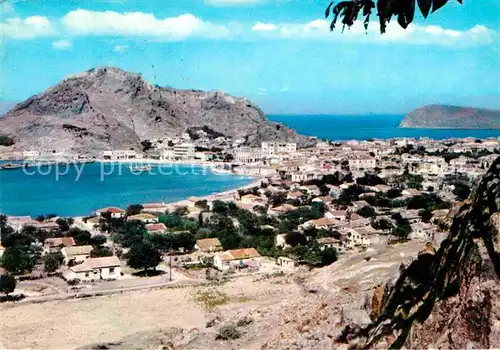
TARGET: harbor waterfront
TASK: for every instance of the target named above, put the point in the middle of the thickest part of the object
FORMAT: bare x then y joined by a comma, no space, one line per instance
79,189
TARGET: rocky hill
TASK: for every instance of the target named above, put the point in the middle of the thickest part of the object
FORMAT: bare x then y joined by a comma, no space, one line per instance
108,108
452,117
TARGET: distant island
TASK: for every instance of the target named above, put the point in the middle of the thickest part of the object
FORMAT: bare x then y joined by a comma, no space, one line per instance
452,117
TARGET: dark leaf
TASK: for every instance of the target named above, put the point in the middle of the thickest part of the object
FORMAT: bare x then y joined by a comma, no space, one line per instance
437,4
367,21
368,8
406,12
327,12
424,6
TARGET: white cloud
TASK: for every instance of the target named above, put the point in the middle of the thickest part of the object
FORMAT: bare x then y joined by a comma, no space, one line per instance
26,28
84,22
62,44
232,2
264,27
120,48
415,34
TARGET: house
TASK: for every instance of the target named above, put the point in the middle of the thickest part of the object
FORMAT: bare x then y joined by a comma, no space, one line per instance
311,189
95,269
285,262
156,228
294,195
76,253
420,231
154,207
208,245
323,199
143,217
439,214
362,162
323,223
284,208
410,192
355,238
271,148
248,155
330,242
46,226
115,212
250,199
381,188
119,154
52,245
411,215
340,215
237,258
18,222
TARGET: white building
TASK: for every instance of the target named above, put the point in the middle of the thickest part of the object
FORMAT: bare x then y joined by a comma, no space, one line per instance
237,258
362,163
95,269
184,151
76,253
270,148
248,155
119,154
31,154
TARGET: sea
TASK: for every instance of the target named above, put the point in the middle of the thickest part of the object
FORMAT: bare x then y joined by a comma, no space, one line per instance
79,190
71,192
371,126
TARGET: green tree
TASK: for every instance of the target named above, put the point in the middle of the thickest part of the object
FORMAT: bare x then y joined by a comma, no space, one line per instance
19,259
350,194
382,224
461,191
100,251
143,255
203,205
63,224
366,211
134,209
52,261
185,240
393,193
7,284
295,238
425,214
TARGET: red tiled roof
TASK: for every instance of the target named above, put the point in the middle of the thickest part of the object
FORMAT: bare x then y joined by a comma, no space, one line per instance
156,227
113,210
65,241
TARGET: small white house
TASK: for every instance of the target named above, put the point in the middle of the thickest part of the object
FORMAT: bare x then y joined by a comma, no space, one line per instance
237,258
76,254
115,213
95,269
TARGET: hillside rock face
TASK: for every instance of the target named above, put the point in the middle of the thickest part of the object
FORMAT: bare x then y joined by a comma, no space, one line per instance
108,108
449,298
452,117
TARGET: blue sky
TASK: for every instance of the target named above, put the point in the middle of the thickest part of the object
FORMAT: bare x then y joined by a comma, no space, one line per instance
278,53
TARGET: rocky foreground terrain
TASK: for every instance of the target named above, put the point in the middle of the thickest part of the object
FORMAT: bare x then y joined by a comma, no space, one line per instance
452,117
108,108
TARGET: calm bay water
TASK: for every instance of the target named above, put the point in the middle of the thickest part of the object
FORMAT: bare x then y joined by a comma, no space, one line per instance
67,195
362,127
23,194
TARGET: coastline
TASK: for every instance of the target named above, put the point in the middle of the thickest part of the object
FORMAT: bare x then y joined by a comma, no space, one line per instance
224,195
171,205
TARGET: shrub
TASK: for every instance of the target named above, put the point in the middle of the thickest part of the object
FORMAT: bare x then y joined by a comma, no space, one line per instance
228,332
